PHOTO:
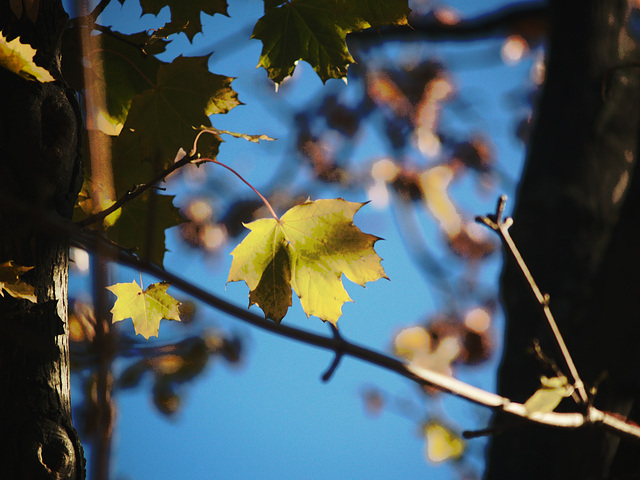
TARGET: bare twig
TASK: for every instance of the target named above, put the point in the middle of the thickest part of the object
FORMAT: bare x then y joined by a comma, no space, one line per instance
136,191
501,225
593,416
339,352
213,160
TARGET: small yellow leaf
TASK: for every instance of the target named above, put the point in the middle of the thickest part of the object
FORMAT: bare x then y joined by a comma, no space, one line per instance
10,282
442,443
549,395
145,308
411,340
308,249
18,58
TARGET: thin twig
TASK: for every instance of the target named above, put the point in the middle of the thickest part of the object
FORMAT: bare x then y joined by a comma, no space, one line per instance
136,191
336,360
213,160
593,416
90,241
501,225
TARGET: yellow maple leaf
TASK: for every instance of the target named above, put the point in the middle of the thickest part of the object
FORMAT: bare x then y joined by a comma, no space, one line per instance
145,308
10,282
18,58
308,249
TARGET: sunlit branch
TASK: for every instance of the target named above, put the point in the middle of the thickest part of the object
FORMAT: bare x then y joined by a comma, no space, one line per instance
593,416
342,347
501,225
92,242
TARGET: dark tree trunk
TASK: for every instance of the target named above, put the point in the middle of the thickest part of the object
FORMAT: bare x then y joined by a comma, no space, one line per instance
577,223
39,171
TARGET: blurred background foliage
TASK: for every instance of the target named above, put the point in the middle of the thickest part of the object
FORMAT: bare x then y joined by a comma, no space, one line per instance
423,130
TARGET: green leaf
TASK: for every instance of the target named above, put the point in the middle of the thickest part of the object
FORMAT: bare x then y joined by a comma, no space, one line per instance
549,395
321,244
142,225
127,72
145,308
10,282
166,117
127,66
186,14
315,31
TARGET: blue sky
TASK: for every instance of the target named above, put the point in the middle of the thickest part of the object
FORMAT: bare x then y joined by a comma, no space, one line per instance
272,417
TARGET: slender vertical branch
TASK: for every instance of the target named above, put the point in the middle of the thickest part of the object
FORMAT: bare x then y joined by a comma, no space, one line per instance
501,225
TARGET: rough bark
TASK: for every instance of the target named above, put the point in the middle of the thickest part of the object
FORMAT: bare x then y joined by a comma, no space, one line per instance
39,170
577,223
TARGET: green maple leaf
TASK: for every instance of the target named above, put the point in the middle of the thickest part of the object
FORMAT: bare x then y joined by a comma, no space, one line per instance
315,31
142,225
146,308
165,118
549,395
10,281
126,71
185,15
308,249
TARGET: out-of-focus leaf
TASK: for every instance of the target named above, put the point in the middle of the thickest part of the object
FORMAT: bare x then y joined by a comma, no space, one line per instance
434,184
442,443
142,225
411,340
10,281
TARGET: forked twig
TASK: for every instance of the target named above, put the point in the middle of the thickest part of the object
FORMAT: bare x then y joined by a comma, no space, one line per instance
499,224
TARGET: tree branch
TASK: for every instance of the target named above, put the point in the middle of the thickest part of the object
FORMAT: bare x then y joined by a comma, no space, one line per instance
593,416
511,18
92,242
500,225
136,191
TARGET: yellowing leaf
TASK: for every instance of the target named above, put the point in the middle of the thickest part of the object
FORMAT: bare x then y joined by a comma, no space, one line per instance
18,58
145,308
442,443
549,395
10,282
411,340
308,249
434,184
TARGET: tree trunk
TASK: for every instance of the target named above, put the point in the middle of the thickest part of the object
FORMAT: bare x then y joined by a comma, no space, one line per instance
39,171
577,224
